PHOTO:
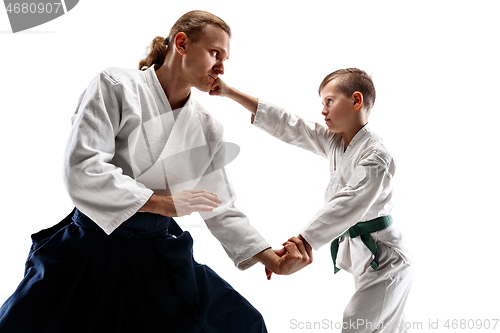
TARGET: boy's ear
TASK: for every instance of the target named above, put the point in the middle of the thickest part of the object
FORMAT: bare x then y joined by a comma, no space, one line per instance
180,42
358,100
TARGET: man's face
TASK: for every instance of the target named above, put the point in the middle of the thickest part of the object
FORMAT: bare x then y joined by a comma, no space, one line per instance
204,59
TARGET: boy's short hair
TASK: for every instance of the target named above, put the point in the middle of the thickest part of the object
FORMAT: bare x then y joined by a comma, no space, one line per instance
351,80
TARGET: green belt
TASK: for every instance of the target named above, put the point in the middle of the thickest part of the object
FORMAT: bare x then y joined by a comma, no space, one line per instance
363,230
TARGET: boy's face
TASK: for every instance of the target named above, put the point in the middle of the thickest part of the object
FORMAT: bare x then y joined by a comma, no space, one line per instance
338,109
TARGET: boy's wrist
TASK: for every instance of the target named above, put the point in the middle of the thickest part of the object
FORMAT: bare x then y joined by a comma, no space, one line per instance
232,93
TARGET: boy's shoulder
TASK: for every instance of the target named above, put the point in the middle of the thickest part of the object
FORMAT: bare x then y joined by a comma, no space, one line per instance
375,149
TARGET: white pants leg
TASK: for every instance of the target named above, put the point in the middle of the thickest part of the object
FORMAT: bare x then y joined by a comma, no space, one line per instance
379,301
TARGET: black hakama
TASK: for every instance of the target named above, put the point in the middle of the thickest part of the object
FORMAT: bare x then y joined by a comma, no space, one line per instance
141,278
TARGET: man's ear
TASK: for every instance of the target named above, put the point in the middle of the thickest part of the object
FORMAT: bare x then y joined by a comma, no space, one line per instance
180,42
357,100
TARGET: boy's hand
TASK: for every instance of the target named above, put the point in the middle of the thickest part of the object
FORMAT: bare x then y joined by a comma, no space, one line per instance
298,255
219,88
295,255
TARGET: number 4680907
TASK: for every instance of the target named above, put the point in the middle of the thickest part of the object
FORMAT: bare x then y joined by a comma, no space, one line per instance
32,8
471,324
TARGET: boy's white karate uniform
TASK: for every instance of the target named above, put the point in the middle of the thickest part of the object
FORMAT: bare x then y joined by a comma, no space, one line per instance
360,189
127,143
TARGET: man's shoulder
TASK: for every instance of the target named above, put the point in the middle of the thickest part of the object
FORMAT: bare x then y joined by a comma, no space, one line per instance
119,75
209,123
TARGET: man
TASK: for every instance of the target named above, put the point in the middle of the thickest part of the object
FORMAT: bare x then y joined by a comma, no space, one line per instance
141,151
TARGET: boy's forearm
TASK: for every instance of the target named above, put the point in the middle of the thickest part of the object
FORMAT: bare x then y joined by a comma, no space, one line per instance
247,101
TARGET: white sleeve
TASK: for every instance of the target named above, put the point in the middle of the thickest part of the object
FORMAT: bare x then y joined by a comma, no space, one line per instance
348,206
293,129
98,187
227,223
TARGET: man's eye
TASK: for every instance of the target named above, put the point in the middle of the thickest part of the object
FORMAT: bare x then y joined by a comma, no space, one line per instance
215,53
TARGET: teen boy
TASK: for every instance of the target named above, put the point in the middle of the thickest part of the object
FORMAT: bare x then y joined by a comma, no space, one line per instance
358,201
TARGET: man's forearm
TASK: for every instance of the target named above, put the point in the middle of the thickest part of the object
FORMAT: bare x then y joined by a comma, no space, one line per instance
158,204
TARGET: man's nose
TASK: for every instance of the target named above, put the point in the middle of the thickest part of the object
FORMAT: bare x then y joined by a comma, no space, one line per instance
219,68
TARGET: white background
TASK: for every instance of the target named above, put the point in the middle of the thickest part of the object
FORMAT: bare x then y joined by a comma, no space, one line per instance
436,69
